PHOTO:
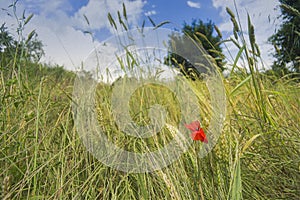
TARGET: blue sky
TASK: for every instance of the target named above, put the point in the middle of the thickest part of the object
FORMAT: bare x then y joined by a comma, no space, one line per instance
178,11
60,23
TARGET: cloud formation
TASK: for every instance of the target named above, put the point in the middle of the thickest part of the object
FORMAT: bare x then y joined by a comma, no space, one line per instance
193,4
263,17
151,12
61,28
61,25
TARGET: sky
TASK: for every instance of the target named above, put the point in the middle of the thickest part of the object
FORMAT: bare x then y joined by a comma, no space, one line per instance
62,27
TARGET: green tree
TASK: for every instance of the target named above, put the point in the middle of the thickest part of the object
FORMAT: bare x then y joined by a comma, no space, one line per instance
6,39
203,34
30,48
16,46
286,40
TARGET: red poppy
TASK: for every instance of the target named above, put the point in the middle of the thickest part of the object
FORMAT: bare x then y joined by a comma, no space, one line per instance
197,131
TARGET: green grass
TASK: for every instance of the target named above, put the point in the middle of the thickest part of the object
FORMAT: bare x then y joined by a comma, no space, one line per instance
42,156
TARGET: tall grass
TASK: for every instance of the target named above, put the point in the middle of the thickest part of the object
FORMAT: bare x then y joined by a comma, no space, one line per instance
42,156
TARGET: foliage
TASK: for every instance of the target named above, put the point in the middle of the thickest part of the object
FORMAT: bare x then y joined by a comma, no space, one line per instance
37,127
16,46
287,38
203,34
6,39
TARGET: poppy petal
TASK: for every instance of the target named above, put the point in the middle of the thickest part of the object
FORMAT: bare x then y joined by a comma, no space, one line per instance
194,126
203,136
197,131
195,136
199,135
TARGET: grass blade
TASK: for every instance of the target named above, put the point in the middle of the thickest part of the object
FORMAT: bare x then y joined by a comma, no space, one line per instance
237,58
236,192
240,85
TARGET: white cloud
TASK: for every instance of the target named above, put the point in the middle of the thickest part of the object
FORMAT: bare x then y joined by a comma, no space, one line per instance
151,12
193,4
96,11
263,17
62,33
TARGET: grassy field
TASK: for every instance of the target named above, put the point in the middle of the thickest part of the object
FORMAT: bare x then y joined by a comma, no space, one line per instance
42,156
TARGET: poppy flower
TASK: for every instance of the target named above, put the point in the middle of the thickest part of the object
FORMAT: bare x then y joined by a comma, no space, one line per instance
197,131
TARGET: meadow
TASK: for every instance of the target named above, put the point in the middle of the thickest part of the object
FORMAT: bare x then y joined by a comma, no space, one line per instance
43,157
